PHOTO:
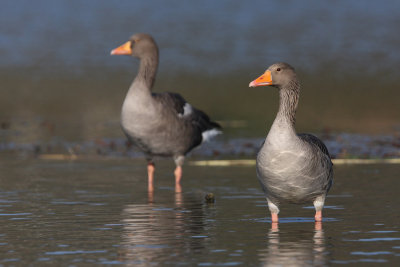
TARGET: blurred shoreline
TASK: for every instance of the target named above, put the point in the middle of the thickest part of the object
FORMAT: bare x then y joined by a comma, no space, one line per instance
341,146
79,107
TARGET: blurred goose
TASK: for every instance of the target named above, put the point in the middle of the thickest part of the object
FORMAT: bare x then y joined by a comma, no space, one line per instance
160,124
291,167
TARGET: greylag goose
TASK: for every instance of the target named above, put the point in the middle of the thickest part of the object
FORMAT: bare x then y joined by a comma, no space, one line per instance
291,167
159,124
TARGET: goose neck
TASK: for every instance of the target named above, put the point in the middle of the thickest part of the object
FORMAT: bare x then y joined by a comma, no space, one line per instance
288,101
147,71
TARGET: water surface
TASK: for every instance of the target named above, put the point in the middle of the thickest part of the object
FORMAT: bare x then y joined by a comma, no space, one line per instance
99,211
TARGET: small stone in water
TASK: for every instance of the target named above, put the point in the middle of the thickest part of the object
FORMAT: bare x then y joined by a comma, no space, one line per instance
210,198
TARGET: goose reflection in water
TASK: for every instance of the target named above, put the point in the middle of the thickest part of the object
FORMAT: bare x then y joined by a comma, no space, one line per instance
152,232
285,249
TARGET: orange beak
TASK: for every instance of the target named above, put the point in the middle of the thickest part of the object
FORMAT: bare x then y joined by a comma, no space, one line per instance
124,49
264,79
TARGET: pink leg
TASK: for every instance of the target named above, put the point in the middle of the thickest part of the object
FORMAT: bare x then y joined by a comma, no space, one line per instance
274,227
318,216
318,226
274,217
178,195
150,174
178,188
178,174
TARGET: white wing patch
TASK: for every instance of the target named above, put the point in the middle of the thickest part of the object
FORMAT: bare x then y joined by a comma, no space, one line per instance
207,135
187,110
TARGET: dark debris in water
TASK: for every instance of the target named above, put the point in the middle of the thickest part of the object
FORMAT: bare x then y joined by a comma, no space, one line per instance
210,198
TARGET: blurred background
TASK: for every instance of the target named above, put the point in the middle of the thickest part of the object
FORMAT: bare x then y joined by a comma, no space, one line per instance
61,95
58,79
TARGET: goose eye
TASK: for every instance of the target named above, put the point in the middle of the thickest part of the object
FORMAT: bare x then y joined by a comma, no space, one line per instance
278,69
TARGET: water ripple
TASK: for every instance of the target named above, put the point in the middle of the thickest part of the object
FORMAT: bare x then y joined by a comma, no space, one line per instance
372,253
75,252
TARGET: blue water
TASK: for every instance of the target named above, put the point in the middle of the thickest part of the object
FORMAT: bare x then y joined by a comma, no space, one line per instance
214,36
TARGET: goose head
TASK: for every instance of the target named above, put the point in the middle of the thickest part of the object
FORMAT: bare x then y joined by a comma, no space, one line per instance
139,45
279,75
